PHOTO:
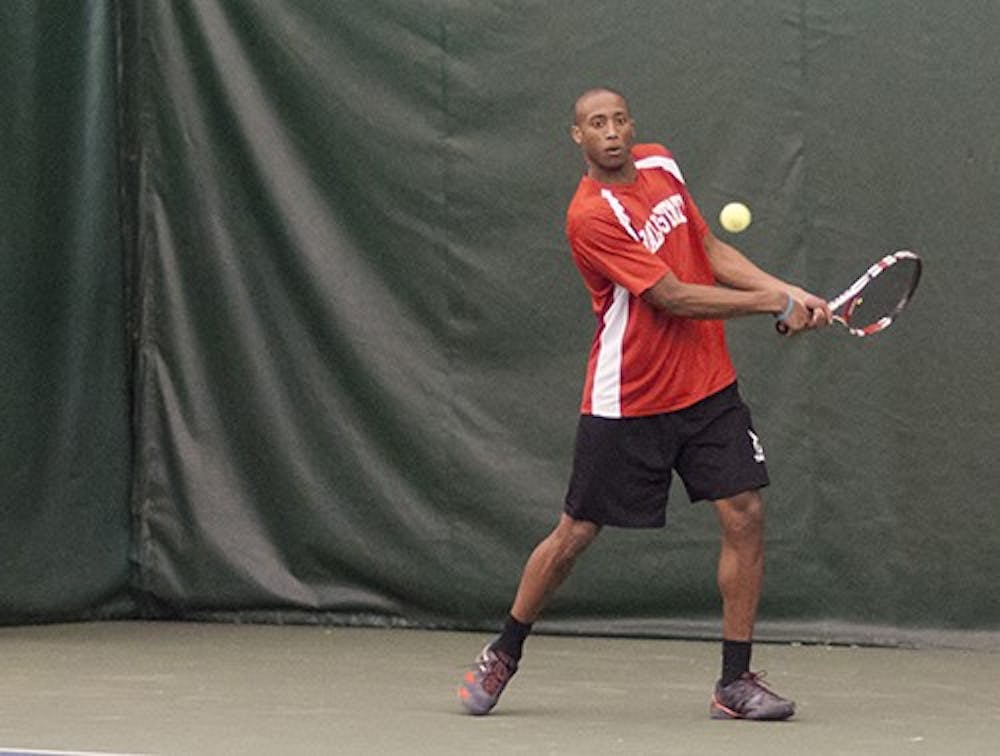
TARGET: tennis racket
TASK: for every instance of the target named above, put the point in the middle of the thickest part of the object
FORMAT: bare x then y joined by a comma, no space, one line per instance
873,302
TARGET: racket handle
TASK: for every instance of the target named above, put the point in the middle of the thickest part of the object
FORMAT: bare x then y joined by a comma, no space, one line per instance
781,327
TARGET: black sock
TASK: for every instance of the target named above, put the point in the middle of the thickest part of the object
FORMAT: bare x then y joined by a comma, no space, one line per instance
511,640
735,659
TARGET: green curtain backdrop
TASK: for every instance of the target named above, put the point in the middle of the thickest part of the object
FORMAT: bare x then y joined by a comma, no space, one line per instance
64,444
359,339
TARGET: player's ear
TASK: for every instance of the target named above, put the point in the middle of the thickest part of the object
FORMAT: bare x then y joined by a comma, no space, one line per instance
575,134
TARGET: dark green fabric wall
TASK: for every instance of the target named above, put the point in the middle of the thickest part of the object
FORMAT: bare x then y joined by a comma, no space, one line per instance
64,444
358,338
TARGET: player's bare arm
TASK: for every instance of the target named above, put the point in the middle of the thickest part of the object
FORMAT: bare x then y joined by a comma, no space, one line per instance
698,301
733,269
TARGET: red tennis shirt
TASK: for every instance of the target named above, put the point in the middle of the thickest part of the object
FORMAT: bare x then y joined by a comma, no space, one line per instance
625,237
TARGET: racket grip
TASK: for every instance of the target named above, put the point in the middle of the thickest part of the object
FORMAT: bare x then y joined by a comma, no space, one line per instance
781,327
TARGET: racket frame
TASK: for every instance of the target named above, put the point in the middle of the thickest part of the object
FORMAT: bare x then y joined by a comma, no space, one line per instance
852,291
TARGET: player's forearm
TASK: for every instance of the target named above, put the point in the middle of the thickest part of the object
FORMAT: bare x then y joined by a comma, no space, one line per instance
733,269
712,302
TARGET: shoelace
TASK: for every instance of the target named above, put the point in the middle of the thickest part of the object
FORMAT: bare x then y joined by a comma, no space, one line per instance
495,673
757,680
753,686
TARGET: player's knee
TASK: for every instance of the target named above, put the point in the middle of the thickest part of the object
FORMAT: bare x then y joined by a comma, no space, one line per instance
573,536
743,514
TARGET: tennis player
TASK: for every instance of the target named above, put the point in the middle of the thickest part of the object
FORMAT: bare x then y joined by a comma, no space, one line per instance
660,394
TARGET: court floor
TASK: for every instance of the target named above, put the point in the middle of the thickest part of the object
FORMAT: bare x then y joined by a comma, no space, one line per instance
179,688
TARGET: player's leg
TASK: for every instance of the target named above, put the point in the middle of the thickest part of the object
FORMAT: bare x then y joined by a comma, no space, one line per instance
722,454
741,562
620,477
740,694
548,566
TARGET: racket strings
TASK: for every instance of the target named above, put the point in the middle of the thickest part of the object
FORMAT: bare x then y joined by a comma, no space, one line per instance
874,307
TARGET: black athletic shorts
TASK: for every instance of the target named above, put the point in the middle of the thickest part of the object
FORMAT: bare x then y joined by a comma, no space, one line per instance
622,468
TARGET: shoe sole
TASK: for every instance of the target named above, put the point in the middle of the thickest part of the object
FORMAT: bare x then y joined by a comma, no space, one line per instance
718,711
472,706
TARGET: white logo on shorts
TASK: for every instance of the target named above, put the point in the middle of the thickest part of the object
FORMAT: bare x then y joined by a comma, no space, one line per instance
758,450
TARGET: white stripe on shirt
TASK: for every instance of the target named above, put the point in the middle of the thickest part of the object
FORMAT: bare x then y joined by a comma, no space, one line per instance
620,213
661,161
606,392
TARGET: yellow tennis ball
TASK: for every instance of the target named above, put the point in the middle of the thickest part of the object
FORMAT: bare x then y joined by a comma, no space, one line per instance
735,217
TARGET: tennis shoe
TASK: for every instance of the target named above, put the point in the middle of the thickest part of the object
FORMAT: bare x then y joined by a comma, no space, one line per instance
748,698
482,685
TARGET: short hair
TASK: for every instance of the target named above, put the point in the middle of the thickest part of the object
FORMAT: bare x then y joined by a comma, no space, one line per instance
594,91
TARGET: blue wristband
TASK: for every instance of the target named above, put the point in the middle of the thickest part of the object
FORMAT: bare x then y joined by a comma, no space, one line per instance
787,311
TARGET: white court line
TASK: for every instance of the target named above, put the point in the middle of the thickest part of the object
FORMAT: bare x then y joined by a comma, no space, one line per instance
27,751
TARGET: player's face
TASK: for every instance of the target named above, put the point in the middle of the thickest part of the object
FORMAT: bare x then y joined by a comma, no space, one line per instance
605,132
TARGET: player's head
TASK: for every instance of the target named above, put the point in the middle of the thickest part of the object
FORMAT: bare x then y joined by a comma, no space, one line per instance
605,131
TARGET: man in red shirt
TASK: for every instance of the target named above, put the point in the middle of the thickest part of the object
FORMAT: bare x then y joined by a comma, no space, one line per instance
660,393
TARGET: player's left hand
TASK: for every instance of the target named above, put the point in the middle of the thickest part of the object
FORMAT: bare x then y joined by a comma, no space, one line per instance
819,311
